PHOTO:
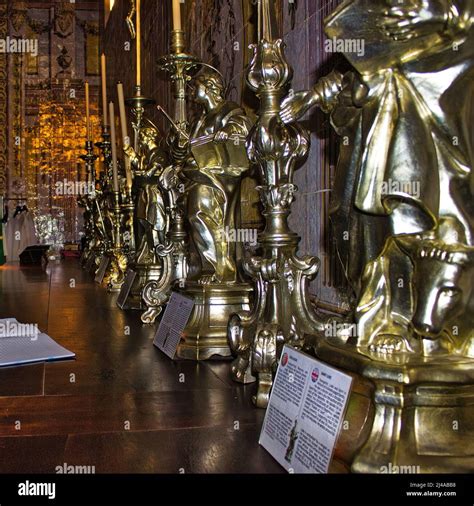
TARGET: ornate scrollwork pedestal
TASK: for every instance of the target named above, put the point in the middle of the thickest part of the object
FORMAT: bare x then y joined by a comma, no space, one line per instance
144,274
173,267
424,410
115,274
282,312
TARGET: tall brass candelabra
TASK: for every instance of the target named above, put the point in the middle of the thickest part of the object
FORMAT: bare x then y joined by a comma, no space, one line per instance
141,272
282,312
88,201
180,67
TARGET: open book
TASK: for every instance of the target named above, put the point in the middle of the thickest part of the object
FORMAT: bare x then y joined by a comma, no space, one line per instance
23,343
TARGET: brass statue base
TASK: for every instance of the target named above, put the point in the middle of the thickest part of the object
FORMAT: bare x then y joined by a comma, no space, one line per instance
205,335
144,273
424,410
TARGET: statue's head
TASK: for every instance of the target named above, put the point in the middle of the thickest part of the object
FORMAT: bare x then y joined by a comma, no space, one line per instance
147,135
208,83
443,282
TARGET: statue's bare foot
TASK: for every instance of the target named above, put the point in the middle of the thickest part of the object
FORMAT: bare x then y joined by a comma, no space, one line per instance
208,279
225,277
388,344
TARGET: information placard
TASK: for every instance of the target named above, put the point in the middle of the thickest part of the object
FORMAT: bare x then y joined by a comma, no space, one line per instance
104,262
305,412
90,262
126,287
172,324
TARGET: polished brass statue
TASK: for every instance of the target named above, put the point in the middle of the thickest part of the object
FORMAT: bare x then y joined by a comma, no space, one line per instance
214,160
96,239
148,165
109,229
151,213
118,225
214,192
403,213
87,202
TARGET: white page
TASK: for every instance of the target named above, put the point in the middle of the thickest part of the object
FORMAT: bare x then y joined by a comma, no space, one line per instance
23,350
175,318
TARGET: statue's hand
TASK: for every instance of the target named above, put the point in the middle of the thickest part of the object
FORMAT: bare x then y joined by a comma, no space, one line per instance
177,140
169,178
182,141
407,20
294,106
129,151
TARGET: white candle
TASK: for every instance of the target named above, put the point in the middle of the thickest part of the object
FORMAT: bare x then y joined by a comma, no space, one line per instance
104,88
259,20
114,147
125,137
123,116
88,120
139,31
176,15
265,19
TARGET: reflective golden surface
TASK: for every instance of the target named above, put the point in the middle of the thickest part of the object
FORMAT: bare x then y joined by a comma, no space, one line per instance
281,312
172,254
402,212
151,210
403,215
215,158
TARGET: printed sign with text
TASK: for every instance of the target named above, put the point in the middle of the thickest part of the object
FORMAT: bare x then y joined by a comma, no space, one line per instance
305,413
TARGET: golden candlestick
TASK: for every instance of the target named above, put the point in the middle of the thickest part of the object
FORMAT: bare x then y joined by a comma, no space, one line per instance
173,255
282,312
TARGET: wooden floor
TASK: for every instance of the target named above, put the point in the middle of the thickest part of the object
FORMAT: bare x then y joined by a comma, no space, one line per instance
121,406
